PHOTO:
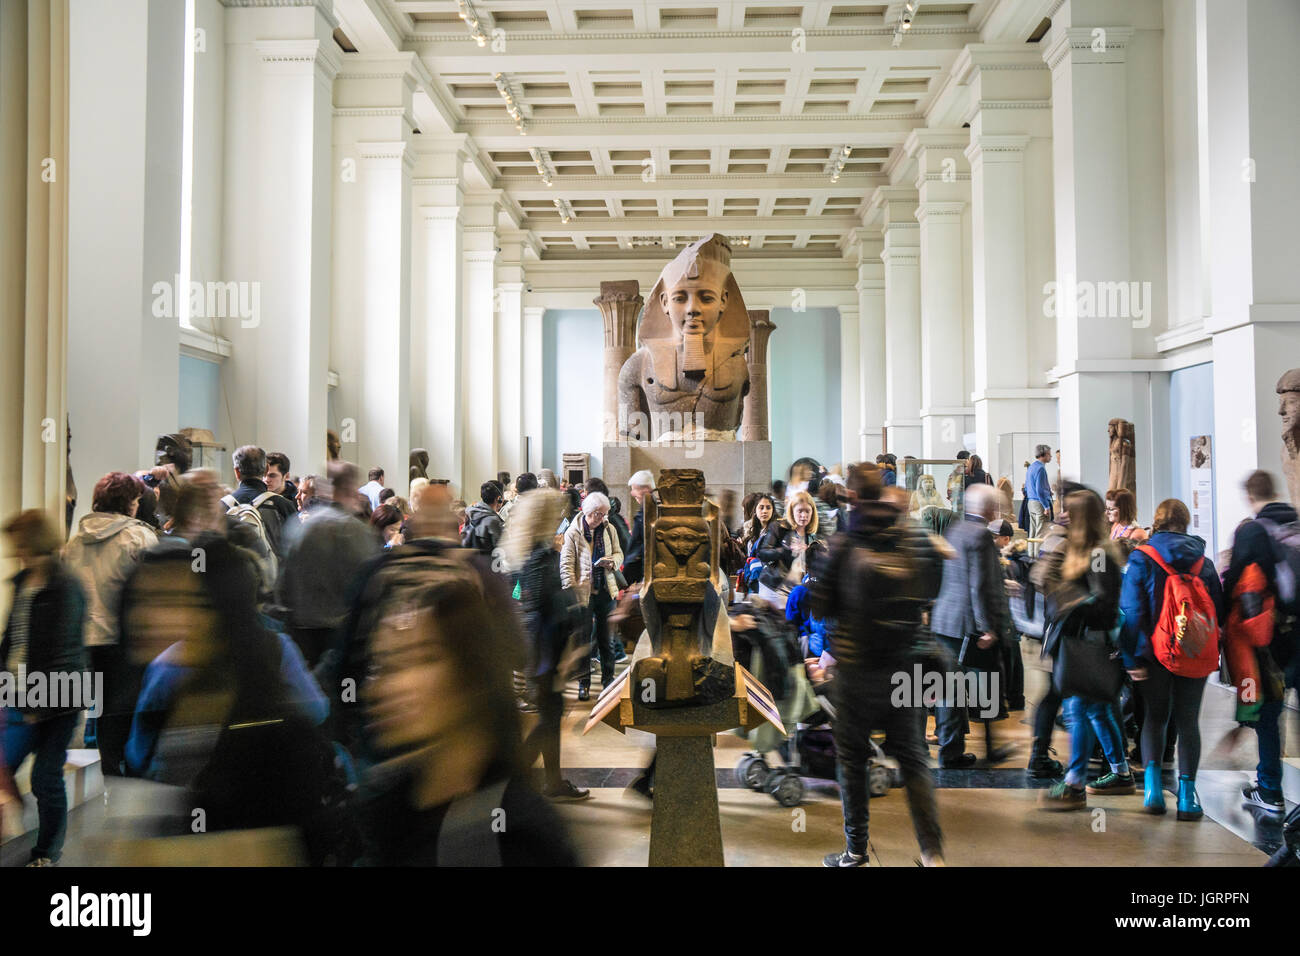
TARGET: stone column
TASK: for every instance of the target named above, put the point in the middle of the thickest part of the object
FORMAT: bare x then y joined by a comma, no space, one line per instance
509,305
478,355
533,360
437,310
850,384
901,256
754,425
372,261
34,60
943,189
1254,285
866,247
125,69
620,304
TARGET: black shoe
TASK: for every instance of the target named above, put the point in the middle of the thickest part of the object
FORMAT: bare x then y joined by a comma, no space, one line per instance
1016,703
1270,800
1043,767
584,693
564,791
964,762
999,754
844,858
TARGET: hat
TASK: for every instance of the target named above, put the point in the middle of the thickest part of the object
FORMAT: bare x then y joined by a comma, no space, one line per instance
1001,529
642,477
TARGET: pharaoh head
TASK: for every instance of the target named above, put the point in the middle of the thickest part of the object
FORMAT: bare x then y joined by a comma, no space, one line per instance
696,296
1288,390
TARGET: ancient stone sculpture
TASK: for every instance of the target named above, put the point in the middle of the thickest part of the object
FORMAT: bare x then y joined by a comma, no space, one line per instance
679,601
1288,390
926,495
1123,466
419,461
689,378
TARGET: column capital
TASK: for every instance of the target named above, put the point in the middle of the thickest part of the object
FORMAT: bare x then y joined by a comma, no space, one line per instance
761,328
940,211
870,286
480,255
1088,46
292,57
387,153
440,213
976,58
922,139
620,304
532,312
997,149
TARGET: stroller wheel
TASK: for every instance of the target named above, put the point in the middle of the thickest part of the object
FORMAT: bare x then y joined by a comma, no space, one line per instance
878,780
752,771
786,789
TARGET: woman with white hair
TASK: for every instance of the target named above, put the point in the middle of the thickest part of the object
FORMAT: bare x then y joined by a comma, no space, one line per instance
588,560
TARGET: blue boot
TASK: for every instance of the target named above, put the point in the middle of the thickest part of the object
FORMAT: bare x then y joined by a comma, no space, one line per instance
1189,808
1155,793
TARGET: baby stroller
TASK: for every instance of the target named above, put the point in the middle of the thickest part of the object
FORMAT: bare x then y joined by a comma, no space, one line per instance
812,754
776,650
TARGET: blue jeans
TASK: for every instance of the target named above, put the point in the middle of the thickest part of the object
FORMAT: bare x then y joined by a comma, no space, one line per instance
48,739
1090,721
1269,732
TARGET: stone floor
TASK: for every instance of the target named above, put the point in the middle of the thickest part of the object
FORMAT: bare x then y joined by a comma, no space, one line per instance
988,814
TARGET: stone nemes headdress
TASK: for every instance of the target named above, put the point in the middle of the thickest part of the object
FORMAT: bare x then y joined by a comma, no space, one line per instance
707,258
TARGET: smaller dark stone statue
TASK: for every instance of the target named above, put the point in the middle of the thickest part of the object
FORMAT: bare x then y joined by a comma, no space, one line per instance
419,464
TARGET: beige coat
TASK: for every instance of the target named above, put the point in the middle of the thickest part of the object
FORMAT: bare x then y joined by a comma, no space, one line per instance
575,559
102,554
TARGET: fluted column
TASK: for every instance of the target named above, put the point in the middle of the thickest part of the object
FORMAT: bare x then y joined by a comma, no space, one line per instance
753,426
619,303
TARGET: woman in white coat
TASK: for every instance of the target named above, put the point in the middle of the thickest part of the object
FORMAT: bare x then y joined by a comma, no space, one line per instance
588,561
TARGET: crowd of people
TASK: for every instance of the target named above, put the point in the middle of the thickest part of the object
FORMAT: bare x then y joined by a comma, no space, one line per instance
355,666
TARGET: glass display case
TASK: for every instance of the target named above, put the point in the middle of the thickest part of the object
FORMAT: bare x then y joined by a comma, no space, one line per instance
1014,453
935,490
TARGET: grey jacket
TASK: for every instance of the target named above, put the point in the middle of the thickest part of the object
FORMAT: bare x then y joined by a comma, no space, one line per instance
321,561
971,598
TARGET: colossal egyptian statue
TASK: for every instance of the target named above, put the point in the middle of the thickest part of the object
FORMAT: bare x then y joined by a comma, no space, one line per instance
1288,390
689,378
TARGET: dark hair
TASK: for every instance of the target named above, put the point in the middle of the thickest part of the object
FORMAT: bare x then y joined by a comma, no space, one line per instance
976,463
747,505
333,447
1171,515
595,484
250,461
385,494
829,493
778,486
384,516
490,492
963,455
864,482
1259,486
375,474
1125,504
115,491
525,482
280,460
503,479
148,510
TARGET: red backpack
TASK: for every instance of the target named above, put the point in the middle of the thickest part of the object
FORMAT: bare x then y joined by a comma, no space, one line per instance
1186,637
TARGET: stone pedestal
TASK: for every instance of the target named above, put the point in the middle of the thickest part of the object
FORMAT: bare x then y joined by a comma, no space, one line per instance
740,466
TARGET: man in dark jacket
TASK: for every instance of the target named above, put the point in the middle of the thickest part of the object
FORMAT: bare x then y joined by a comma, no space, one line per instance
874,584
43,641
1254,544
483,524
275,509
970,617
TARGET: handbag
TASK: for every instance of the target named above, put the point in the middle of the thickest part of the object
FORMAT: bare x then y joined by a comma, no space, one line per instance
1084,660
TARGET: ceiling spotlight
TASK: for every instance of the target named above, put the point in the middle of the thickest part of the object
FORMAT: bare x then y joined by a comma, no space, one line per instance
563,208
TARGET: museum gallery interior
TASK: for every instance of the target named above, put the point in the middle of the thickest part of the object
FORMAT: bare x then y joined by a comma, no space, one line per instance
732,301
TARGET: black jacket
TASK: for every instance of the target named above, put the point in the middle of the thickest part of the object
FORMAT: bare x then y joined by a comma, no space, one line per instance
874,583
775,553
634,553
972,598
1253,545
550,612
54,631
483,528
275,511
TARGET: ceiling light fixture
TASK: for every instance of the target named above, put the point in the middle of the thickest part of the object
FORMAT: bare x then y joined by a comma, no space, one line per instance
904,21
564,209
835,165
542,160
465,10
512,102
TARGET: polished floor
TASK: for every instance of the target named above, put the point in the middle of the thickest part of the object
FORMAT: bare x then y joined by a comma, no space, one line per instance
988,814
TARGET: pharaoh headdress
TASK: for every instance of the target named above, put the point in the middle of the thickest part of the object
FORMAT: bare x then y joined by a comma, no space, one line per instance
707,258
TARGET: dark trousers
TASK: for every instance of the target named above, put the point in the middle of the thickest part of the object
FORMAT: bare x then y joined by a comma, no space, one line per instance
313,642
1013,675
598,609
48,739
862,704
1045,719
109,732
1164,693
545,737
